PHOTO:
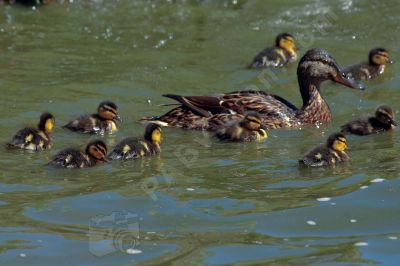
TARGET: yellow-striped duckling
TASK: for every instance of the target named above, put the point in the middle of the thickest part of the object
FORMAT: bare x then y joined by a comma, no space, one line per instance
94,154
382,121
333,152
250,128
104,122
377,60
36,139
284,52
132,148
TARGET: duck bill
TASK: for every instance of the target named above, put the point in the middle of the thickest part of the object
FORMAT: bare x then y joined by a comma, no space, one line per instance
105,159
118,119
394,123
351,83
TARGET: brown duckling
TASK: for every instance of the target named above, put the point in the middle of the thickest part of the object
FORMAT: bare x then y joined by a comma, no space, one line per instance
250,128
132,148
94,154
314,67
283,53
382,121
101,123
36,139
331,153
377,60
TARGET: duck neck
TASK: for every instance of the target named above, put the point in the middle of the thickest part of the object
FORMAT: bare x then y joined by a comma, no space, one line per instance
315,109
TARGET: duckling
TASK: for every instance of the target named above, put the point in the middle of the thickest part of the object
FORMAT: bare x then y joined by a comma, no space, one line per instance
314,67
101,123
331,153
377,60
283,53
36,139
382,121
132,148
250,128
94,154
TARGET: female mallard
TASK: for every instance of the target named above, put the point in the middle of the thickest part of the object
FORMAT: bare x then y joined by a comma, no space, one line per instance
102,122
382,121
36,139
377,60
284,52
331,153
94,154
132,148
250,128
314,67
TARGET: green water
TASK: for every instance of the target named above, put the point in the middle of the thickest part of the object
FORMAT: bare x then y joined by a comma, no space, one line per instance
200,202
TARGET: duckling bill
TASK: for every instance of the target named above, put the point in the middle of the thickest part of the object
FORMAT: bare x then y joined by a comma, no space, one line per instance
382,121
94,154
329,154
250,128
35,139
132,148
104,121
283,53
378,58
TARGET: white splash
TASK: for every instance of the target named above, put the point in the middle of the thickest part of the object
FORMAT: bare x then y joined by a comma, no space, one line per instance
324,199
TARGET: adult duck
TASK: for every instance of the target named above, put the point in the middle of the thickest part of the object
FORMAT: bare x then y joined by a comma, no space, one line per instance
314,67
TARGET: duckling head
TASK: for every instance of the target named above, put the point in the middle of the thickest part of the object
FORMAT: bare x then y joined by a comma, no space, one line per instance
252,121
286,42
108,111
97,149
385,115
317,65
337,142
46,123
379,56
153,133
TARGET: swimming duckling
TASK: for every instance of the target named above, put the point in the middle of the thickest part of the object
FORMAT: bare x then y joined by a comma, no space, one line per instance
382,121
250,128
132,148
36,139
94,154
284,52
331,153
102,122
377,60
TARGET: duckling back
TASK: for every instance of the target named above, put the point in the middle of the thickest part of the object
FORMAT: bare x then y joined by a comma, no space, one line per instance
91,124
132,148
234,132
70,158
30,139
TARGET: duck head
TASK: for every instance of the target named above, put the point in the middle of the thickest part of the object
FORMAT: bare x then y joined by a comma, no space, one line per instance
317,65
108,110
379,56
46,123
337,142
97,150
286,42
385,115
153,133
252,121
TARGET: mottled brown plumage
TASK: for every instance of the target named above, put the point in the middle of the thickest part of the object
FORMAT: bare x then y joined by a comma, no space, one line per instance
329,154
382,121
283,53
315,67
377,60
